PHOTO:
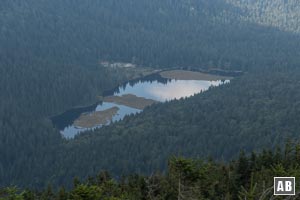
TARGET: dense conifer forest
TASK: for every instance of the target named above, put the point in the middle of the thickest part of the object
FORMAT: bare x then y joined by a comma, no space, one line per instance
50,61
247,177
217,123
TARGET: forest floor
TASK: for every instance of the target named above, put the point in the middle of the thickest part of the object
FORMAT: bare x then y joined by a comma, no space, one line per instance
89,120
130,100
191,75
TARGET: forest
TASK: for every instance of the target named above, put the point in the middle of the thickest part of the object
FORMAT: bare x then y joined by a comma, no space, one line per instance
248,177
50,61
217,123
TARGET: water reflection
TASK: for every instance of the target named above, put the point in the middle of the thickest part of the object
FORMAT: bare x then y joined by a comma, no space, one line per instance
67,118
70,130
150,79
123,110
173,89
151,87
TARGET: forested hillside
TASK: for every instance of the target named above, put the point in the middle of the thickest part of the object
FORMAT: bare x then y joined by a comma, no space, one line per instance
157,33
49,61
282,14
248,177
264,112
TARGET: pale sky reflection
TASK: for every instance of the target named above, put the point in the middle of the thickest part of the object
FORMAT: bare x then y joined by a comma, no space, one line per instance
174,89
155,90
179,88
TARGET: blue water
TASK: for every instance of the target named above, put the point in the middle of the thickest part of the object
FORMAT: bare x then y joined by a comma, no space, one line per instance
71,130
174,89
159,90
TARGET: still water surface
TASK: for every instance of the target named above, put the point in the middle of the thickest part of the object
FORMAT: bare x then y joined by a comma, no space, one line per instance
151,87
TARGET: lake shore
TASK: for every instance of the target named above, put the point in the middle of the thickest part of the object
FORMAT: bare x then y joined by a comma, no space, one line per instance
191,75
130,100
90,120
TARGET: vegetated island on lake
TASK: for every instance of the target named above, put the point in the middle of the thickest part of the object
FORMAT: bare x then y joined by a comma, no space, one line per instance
103,117
130,100
191,75
89,120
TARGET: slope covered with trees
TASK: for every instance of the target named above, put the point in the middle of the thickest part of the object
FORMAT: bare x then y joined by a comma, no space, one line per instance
248,177
282,14
49,61
262,113
163,33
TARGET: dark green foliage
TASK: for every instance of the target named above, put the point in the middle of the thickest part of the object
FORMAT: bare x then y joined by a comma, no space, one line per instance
185,179
253,112
49,62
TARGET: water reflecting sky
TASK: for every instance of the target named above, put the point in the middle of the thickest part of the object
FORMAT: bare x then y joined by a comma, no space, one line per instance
154,89
70,131
174,89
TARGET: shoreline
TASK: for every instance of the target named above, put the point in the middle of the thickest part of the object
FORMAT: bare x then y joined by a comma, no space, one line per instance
192,75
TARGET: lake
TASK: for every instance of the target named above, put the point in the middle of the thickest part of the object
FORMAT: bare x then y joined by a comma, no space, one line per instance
132,97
